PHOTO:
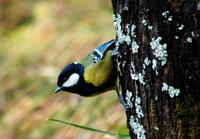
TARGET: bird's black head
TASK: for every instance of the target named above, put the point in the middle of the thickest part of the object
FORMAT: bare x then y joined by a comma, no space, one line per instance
70,77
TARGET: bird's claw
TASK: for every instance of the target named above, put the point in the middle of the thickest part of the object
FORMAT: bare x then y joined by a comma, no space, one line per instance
121,100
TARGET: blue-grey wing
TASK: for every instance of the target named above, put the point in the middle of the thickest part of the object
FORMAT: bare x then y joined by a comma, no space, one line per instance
100,51
97,54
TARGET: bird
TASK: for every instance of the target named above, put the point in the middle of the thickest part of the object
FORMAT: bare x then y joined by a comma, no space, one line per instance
93,75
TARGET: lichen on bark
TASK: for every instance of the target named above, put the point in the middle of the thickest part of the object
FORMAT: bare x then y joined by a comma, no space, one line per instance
159,61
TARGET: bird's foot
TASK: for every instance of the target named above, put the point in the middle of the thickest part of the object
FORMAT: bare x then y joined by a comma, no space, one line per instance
121,100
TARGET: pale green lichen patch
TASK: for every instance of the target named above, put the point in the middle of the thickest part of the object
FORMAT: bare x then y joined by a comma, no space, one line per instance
176,37
137,76
133,27
144,22
137,127
129,99
141,78
159,50
170,18
189,39
120,35
138,107
135,47
154,66
165,14
170,90
125,37
181,27
147,61
150,27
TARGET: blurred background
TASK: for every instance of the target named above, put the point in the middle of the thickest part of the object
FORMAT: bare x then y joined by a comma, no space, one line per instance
37,39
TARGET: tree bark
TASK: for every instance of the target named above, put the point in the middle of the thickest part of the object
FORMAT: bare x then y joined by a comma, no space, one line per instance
159,66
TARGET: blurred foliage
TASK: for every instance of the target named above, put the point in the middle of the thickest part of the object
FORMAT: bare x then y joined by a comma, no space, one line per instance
13,13
37,39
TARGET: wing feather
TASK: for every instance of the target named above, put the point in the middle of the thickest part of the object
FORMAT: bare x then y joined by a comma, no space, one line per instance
97,54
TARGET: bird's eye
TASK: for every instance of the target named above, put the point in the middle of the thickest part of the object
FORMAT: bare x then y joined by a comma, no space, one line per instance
65,78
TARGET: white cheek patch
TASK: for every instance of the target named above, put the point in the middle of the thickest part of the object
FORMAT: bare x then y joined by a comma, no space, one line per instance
73,79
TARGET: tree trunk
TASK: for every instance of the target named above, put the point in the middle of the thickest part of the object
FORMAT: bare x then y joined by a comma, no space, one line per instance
159,66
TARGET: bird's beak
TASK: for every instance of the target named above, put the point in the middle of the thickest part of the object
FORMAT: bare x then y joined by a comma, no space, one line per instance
57,89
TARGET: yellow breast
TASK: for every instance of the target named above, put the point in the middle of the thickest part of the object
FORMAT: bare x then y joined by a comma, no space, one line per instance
100,72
